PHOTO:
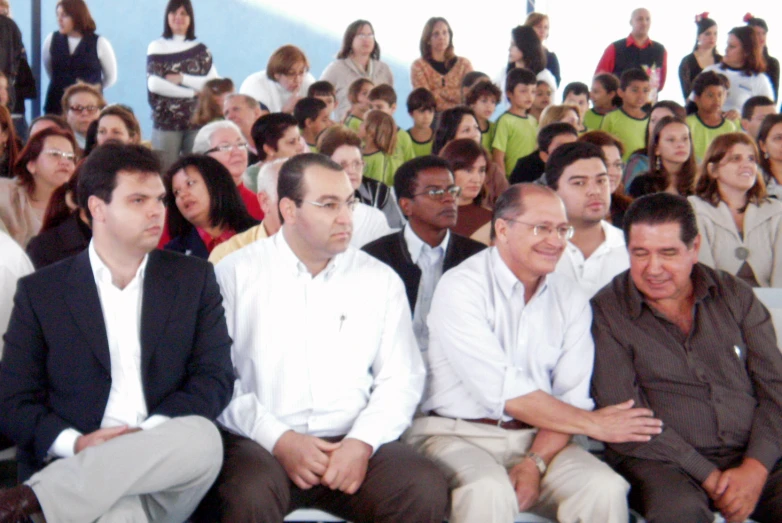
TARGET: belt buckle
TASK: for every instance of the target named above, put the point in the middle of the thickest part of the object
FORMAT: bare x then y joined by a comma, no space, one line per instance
499,423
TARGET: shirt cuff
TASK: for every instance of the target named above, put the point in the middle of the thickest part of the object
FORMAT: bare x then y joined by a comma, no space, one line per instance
515,384
766,452
373,440
697,466
267,433
65,444
153,421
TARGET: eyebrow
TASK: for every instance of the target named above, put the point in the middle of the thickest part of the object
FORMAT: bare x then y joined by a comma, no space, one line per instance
335,198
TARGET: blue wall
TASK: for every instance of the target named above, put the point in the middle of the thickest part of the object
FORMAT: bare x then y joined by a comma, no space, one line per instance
240,36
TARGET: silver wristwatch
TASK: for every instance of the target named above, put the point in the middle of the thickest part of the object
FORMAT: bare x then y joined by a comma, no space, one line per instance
538,462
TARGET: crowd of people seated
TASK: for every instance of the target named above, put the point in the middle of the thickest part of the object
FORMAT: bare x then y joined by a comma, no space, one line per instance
281,299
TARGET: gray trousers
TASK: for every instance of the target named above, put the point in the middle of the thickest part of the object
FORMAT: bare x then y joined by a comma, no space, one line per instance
157,475
170,145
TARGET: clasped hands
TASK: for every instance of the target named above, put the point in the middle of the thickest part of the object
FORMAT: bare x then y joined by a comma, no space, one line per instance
311,461
736,491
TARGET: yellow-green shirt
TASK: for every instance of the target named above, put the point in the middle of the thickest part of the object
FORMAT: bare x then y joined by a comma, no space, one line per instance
628,130
702,134
381,167
593,120
404,147
421,148
487,136
516,136
353,122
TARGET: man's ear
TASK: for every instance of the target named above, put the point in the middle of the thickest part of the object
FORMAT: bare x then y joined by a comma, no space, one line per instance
406,206
288,210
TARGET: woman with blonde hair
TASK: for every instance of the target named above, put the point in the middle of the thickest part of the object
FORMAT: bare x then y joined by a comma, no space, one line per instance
560,113
378,131
739,225
209,106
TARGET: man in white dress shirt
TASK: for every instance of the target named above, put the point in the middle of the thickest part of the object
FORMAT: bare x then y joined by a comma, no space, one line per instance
510,353
596,252
328,371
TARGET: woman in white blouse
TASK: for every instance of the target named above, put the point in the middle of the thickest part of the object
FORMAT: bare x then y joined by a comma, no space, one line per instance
739,225
284,81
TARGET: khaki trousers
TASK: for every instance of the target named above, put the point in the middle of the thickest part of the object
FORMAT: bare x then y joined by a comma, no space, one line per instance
476,459
157,475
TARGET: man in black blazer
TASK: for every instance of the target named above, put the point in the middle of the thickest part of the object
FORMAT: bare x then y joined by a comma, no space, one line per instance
116,363
425,248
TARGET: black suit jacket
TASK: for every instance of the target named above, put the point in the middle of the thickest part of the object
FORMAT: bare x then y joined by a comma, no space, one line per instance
56,371
392,250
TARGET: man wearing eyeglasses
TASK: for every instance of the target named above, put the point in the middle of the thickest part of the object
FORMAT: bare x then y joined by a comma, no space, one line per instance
422,251
596,252
328,371
510,355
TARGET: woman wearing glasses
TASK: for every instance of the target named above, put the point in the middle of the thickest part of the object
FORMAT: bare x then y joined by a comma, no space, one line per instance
81,105
204,207
178,66
47,161
284,81
358,58
75,53
468,162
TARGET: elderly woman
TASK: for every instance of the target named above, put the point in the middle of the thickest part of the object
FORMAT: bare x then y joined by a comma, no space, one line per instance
439,69
284,81
358,58
223,141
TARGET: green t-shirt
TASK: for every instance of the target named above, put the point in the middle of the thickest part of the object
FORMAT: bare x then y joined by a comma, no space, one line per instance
487,136
404,147
516,136
593,120
421,148
628,130
313,147
353,122
702,134
381,167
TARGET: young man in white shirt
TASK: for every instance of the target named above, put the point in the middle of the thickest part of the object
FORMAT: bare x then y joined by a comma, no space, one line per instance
328,370
510,354
596,252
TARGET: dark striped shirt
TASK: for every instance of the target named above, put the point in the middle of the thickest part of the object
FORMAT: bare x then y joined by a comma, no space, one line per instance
719,387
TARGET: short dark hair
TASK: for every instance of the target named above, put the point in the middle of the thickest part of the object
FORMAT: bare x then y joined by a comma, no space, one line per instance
307,109
226,207
632,75
708,79
448,125
174,5
383,92
566,155
576,88
406,176
509,205
748,109
547,134
471,78
421,99
660,208
268,130
98,173
321,88
519,76
483,88
290,182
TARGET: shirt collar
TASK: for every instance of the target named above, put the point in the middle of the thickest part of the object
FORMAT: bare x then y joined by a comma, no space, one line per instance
615,237
294,264
630,42
415,245
211,242
506,280
702,283
102,274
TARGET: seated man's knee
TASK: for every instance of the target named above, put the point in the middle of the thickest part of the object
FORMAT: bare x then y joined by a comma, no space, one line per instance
202,444
487,491
677,509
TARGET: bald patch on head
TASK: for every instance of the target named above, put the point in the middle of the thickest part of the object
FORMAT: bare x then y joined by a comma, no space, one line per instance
640,10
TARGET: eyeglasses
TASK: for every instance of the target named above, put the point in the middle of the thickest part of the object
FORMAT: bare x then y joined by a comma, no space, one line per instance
58,155
227,148
296,74
439,194
334,207
365,36
564,232
356,166
84,108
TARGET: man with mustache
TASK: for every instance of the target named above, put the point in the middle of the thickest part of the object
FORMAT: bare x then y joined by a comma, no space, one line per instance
328,371
596,252
422,251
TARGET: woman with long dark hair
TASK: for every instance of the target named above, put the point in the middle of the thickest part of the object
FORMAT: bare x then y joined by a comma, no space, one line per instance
703,54
540,23
469,161
770,160
204,207
75,52
526,50
359,57
772,64
9,148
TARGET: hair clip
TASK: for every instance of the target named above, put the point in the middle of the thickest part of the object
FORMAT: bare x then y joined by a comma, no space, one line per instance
704,15
748,17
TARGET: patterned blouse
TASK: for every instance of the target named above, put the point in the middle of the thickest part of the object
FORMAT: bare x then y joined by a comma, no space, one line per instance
445,88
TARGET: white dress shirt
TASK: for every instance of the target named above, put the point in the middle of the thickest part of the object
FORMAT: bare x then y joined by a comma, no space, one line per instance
369,224
487,345
608,260
122,317
327,355
430,261
14,264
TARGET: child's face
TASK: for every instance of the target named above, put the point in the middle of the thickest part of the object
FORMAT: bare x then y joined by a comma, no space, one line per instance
580,101
636,95
330,101
600,97
423,117
711,100
484,107
542,96
382,105
522,97
4,97
320,123
362,100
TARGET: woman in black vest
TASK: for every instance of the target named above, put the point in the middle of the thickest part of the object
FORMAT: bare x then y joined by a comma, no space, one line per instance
75,53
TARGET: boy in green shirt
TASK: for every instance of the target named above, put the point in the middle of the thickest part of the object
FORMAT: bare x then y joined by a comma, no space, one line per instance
358,96
324,91
515,135
383,98
313,117
483,99
710,89
628,123
604,97
420,106
577,95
